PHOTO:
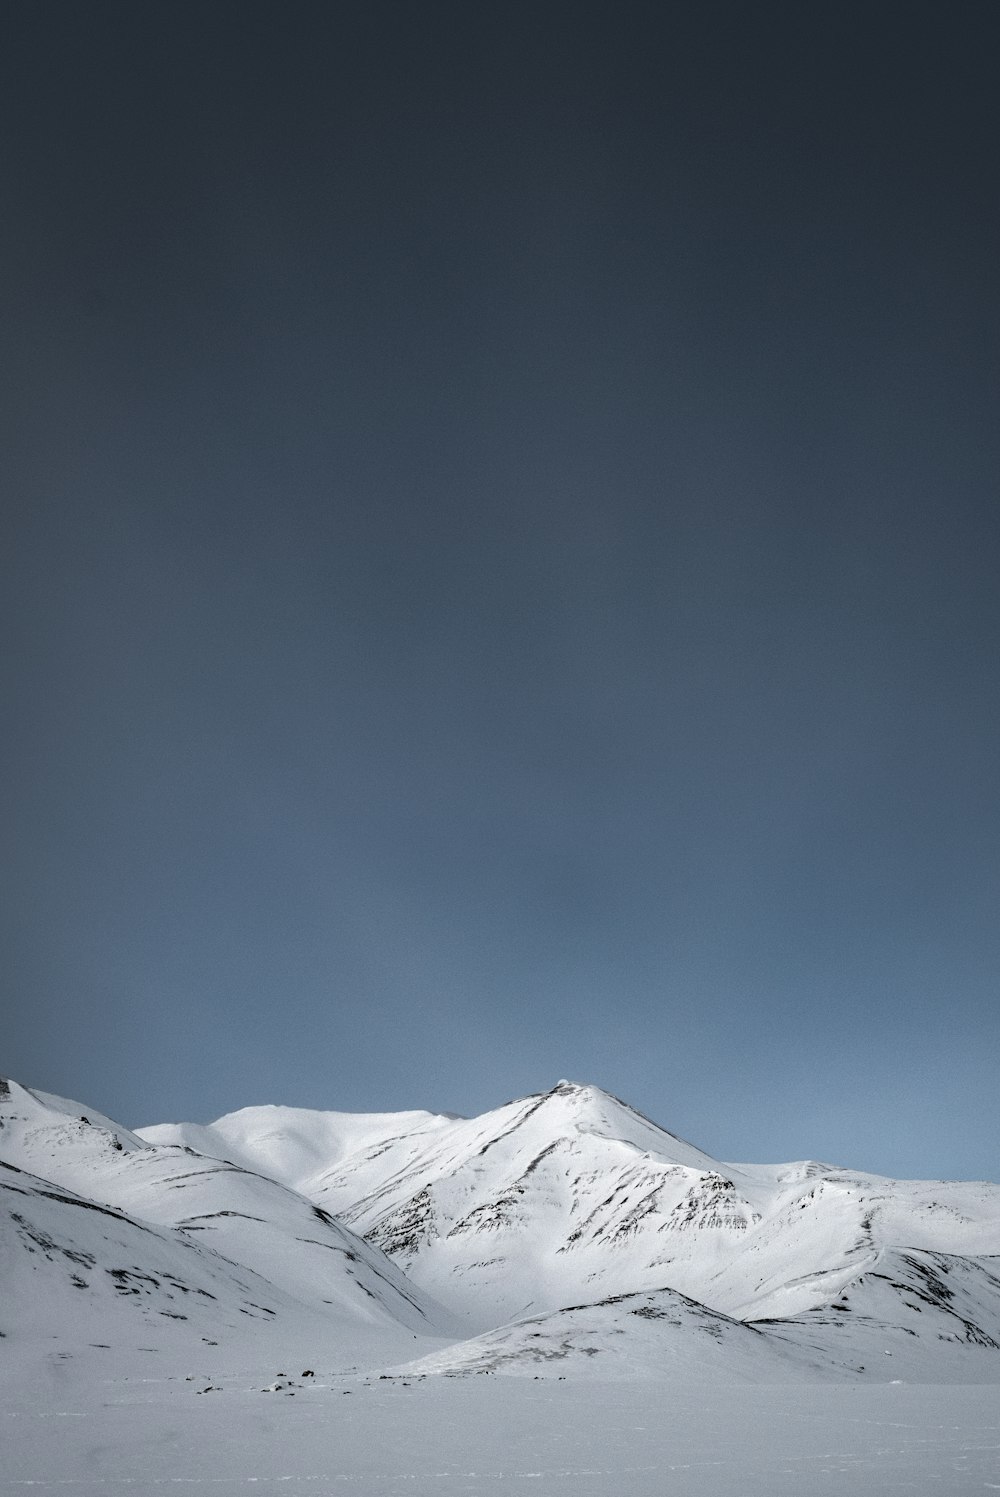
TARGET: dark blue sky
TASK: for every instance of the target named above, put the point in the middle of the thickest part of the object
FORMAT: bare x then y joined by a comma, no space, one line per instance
501,564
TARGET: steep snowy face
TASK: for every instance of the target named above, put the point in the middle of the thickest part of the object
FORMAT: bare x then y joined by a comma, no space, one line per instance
570,1195
546,1201
912,1315
915,1316
56,1137
291,1244
567,1202
936,1296
75,1272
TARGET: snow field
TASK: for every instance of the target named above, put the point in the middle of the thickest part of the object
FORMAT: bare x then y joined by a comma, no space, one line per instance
497,1436
556,1297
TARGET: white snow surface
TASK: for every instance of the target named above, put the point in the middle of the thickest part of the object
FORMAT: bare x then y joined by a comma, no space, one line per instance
289,1244
418,1303
571,1195
89,1430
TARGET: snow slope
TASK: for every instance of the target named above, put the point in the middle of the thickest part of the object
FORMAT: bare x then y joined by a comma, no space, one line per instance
182,1306
935,1315
563,1228
295,1145
571,1196
74,1274
657,1333
296,1253
937,1318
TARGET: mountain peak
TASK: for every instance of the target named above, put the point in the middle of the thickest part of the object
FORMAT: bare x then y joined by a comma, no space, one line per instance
566,1088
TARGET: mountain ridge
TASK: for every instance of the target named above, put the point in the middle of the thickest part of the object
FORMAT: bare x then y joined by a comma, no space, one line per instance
546,1220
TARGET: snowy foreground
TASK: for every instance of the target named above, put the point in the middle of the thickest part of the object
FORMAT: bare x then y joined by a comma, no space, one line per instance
498,1436
556,1297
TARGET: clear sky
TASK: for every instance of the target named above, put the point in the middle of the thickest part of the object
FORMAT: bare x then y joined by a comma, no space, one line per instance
500,563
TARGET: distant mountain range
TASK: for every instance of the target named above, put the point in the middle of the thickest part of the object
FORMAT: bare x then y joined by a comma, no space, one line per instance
561,1234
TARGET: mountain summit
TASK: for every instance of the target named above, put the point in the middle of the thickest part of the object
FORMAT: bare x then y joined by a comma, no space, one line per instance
560,1227
570,1195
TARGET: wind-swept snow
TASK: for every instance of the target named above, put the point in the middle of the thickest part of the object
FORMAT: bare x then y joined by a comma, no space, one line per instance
301,1262
657,1333
571,1196
560,1219
258,1302
494,1437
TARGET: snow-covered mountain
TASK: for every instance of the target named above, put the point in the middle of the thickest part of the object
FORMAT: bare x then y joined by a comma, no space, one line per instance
571,1196
558,1232
914,1317
932,1314
76,1274
91,1207
657,1333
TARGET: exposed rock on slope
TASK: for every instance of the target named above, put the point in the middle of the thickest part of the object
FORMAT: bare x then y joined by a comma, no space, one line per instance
655,1333
295,1251
571,1196
560,1229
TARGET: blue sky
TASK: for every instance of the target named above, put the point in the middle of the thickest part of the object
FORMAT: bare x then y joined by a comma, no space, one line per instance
500,568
